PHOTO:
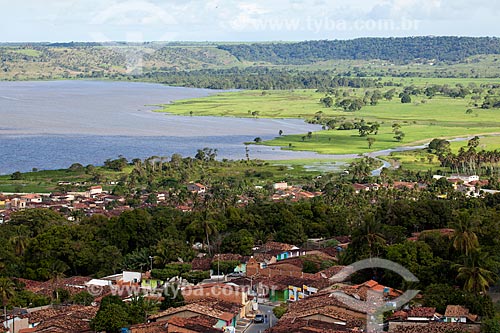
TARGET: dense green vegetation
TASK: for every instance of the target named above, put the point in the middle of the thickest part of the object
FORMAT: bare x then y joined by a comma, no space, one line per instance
45,245
259,78
163,173
391,49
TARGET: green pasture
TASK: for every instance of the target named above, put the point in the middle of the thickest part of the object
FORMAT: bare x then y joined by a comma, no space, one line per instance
421,121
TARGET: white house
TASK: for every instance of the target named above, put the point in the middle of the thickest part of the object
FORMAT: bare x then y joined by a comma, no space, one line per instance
95,190
465,178
280,186
196,188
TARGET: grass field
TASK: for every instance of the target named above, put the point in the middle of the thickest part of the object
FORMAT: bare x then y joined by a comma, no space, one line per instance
421,121
46,181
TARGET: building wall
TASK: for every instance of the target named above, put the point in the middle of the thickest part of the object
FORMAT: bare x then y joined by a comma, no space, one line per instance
225,294
175,329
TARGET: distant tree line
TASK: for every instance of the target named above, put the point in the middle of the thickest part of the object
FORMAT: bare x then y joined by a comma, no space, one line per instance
398,50
261,78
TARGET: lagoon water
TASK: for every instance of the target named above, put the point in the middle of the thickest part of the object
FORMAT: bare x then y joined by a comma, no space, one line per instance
50,125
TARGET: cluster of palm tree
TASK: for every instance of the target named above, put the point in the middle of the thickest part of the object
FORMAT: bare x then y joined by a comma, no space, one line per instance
471,161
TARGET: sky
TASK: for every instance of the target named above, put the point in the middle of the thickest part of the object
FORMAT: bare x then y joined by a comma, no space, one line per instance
238,20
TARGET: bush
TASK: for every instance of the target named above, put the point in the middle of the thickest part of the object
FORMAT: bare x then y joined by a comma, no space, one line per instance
279,311
83,298
224,267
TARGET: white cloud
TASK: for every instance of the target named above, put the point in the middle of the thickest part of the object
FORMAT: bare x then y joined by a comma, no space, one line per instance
236,19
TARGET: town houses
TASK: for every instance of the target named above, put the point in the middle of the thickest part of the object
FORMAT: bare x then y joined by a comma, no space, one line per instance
326,301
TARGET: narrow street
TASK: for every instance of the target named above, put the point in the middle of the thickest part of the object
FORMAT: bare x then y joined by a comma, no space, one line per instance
258,328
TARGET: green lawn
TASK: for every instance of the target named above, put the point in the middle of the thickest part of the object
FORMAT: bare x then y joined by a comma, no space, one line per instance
45,181
268,104
486,143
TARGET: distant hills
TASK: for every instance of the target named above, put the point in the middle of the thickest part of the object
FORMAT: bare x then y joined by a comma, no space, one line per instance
162,61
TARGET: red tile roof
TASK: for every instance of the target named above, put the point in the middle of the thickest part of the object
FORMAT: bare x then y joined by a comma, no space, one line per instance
195,324
73,318
456,311
431,328
422,312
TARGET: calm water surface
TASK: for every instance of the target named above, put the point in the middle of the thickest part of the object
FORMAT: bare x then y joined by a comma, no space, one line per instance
48,125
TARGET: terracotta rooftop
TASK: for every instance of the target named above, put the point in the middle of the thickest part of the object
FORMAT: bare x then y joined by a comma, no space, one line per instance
456,311
158,327
330,272
324,303
361,290
431,328
422,312
65,319
306,326
269,246
211,308
196,324
74,285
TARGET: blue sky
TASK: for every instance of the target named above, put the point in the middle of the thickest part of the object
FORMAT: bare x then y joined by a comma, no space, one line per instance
257,20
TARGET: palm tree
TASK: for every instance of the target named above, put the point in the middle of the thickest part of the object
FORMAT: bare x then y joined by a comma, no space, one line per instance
477,279
367,241
7,291
56,272
464,238
19,242
208,226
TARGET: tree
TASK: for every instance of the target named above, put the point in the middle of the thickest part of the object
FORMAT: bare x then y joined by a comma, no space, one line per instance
475,276
351,104
170,250
139,308
110,318
280,310
491,325
16,176
257,140
20,241
474,142
367,241
371,141
172,297
399,136
56,272
83,298
240,242
76,167
7,291
326,101
440,295
464,237
405,99
209,226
